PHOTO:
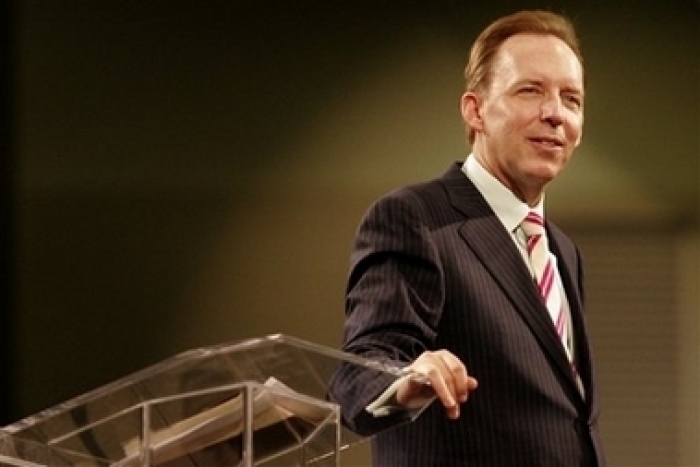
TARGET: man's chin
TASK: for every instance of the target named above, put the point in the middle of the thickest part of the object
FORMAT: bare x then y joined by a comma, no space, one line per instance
545,173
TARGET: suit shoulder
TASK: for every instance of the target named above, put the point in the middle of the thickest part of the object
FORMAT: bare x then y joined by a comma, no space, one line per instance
426,203
426,192
434,201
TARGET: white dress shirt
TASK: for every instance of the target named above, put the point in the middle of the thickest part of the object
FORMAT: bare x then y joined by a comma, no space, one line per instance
511,211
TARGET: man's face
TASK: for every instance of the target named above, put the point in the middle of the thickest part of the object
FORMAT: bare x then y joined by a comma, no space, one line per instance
529,120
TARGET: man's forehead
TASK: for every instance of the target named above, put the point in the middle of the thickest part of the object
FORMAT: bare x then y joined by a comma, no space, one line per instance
537,55
534,44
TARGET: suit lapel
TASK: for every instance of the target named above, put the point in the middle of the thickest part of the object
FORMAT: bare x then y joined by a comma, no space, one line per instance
485,235
567,259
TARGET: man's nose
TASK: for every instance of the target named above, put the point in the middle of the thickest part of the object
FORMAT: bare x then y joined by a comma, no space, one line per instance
551,111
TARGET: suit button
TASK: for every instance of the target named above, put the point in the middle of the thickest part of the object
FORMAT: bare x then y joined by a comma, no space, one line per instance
583,426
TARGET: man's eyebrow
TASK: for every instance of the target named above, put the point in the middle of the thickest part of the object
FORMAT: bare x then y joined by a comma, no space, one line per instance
573,90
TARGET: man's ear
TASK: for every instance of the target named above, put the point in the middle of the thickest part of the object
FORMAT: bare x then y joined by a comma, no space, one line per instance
470,106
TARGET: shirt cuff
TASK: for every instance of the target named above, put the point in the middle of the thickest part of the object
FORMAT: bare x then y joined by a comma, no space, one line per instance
384,405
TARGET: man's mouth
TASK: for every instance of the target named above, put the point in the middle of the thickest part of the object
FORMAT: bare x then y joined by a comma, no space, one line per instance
548,141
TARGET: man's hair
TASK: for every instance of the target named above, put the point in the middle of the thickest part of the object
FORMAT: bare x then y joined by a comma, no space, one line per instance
479,70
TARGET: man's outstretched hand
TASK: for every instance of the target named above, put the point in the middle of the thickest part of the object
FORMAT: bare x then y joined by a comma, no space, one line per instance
437,374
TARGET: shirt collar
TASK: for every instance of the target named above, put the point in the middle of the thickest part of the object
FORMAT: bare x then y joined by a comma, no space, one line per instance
509,209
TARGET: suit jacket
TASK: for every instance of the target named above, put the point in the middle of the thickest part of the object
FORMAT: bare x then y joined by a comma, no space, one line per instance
433,268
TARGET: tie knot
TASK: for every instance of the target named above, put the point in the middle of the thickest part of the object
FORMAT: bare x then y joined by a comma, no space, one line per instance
533,224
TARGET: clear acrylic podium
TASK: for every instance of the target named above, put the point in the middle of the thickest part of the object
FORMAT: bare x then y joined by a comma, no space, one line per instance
256,402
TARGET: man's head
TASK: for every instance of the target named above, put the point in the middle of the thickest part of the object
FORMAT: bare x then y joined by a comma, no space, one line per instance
523,104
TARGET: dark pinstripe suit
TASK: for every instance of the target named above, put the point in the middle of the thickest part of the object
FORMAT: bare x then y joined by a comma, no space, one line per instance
434,268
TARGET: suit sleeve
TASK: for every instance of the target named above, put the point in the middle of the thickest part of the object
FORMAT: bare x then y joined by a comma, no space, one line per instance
395,296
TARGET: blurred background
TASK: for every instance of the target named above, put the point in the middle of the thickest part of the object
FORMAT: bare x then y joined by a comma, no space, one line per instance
184,173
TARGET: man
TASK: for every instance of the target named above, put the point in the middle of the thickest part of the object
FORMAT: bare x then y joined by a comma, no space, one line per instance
446,280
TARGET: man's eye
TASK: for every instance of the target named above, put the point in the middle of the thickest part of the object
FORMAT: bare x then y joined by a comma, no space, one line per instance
572,100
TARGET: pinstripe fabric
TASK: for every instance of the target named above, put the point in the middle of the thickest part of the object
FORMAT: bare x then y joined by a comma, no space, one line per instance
433,268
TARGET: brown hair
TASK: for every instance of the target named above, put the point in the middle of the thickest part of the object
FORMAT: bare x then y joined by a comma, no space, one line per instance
478,72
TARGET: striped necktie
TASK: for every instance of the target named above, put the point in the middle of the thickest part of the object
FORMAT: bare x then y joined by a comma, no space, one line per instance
545,273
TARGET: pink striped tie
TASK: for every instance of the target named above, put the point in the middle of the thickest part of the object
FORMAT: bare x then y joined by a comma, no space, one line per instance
545,273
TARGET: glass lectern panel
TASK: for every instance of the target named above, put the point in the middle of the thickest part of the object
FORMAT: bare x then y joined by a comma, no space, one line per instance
257,402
